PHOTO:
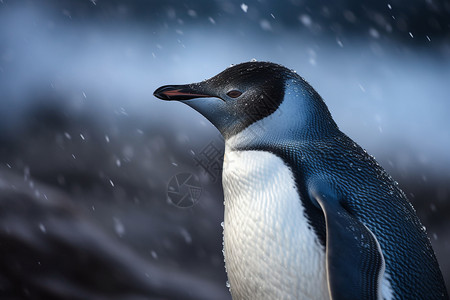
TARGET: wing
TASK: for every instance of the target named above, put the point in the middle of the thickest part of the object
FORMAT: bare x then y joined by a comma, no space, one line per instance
354,259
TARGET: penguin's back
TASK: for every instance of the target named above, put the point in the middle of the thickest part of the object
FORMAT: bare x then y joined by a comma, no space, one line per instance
375,199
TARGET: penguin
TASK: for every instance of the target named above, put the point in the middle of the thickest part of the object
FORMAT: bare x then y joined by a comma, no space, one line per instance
309,214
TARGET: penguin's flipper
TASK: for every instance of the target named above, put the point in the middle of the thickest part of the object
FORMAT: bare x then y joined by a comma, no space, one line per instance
353,255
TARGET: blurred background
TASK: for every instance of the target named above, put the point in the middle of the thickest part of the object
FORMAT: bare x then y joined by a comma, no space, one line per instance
108,193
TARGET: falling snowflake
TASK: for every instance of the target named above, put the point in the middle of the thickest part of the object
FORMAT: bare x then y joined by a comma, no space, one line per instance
244,7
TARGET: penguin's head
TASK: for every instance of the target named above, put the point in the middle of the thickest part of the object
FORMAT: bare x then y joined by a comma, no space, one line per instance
244,94
235,98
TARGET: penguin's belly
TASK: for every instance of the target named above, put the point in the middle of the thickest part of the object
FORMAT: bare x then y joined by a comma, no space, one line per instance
271,252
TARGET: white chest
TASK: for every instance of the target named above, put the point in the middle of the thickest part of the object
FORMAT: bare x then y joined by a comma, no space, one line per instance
270,250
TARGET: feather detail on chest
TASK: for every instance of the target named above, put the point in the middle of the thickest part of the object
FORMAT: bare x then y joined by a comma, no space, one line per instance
271,252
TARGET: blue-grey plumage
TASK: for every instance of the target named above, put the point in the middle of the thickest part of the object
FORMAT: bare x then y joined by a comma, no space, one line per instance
363,234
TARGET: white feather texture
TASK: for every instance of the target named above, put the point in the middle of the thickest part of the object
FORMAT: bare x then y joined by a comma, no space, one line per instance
270,250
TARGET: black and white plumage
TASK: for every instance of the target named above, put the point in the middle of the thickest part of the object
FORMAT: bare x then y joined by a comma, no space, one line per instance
308,213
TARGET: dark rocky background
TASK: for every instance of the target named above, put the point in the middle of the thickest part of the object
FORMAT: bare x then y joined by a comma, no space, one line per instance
87,154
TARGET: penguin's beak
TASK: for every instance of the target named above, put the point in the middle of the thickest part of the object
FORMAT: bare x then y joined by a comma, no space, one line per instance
216,112
180,92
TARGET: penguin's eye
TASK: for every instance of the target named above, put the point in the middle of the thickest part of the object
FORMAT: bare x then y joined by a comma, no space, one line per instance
234,93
